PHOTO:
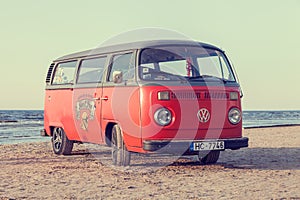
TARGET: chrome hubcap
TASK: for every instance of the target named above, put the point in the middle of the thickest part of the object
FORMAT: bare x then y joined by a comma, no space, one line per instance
57,138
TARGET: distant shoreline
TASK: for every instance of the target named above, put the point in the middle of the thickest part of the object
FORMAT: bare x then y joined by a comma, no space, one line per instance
271,126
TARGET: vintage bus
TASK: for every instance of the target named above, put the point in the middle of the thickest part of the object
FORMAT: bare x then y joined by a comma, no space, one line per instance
164,96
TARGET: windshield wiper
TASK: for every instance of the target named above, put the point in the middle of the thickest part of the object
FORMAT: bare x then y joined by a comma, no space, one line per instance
203,77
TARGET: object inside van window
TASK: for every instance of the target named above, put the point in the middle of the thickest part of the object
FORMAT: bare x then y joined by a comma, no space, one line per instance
64,73
117,77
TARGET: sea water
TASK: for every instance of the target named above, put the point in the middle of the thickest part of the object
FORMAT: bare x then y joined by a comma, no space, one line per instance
17,126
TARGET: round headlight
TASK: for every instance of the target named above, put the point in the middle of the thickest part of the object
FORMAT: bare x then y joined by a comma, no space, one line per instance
163,117
234,115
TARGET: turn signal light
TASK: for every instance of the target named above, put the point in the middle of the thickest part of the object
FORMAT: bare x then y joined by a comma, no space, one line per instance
163,95
234,95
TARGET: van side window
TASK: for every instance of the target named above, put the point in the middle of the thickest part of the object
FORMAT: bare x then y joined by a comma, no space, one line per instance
91,70
64,73
125,64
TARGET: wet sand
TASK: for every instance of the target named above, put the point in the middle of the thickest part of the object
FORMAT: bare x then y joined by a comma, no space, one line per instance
268,169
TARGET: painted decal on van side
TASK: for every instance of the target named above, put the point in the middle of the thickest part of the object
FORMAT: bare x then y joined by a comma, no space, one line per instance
85,110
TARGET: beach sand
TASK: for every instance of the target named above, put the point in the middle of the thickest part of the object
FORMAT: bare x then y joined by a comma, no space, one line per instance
268,169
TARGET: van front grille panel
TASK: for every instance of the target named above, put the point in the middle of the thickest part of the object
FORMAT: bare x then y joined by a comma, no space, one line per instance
200,95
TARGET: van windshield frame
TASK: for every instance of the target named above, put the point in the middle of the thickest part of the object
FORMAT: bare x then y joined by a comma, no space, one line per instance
181,62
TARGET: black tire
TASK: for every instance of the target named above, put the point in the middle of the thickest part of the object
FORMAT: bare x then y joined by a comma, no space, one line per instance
60,143
211,158
120,155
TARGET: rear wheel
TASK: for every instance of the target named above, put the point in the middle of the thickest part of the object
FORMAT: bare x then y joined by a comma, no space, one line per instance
60,143
210,158
120,155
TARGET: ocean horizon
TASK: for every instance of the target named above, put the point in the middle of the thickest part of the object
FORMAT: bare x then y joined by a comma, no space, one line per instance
19,126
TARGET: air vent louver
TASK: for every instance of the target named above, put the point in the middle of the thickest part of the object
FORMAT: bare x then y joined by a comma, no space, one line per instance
48,78
216,95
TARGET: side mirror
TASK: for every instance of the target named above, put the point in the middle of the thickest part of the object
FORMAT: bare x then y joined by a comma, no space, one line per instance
117,77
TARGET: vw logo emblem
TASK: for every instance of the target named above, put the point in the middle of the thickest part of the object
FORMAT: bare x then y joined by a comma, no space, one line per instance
203,115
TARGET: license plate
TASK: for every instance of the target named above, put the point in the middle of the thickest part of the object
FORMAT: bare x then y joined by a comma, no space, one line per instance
207,145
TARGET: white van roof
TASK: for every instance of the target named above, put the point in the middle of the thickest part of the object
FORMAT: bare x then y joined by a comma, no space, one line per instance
132,46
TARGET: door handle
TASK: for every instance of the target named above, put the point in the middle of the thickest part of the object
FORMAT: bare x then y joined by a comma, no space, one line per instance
104,98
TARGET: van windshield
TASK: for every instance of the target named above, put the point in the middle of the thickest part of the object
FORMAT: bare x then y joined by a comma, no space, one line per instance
190,63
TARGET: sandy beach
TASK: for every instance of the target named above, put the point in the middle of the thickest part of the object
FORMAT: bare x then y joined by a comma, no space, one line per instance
268,169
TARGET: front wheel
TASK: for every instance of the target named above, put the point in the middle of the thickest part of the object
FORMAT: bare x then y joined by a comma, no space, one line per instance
210,158
60,143
120,155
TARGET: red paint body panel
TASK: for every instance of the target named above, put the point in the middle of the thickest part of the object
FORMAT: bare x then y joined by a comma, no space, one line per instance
185,124
133,109
59,112
123,107
87,112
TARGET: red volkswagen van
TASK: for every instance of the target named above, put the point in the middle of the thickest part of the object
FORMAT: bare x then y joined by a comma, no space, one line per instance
164,96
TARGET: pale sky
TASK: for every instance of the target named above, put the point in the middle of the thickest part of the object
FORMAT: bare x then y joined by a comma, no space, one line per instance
262,38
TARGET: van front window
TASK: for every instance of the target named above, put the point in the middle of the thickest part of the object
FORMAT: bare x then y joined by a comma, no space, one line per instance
180,62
